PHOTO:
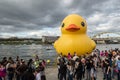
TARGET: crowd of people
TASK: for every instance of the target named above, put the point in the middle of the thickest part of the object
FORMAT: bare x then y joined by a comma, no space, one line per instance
20,69
75,67
86,67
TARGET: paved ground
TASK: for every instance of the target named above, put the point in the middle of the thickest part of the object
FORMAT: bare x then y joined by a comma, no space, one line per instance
51,74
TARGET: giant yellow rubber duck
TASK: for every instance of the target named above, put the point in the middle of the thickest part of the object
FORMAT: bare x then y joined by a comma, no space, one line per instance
74,38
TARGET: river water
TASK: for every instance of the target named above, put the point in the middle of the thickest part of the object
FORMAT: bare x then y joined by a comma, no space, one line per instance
46,52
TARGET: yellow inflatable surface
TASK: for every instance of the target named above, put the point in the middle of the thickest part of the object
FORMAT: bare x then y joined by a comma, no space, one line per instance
74,38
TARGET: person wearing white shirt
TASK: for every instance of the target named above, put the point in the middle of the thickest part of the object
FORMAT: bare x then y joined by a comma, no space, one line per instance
38,74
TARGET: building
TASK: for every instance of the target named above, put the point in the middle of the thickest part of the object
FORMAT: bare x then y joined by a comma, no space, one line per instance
49,39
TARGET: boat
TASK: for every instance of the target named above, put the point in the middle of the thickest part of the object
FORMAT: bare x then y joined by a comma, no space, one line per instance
48,48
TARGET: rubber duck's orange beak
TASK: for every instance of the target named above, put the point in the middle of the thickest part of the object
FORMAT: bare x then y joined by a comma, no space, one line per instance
72,27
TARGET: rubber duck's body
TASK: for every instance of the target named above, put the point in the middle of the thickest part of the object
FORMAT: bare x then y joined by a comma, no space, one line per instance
74,38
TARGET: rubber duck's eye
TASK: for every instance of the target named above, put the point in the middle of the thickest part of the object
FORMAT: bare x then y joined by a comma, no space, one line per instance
63,25
83,24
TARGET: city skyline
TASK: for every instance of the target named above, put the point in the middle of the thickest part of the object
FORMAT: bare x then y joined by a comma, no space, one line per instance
33,19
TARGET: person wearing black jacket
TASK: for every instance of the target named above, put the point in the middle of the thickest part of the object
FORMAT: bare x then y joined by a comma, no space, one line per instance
88,68
63,70
28,75
21,70
79,70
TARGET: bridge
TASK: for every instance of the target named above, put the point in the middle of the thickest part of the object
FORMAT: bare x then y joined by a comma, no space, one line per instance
107,37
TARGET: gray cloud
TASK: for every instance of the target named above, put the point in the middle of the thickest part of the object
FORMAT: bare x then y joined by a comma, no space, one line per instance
35,15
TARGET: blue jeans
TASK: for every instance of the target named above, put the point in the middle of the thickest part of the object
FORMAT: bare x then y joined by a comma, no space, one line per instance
70,76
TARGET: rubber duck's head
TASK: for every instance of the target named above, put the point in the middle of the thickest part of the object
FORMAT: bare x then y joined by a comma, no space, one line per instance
73,24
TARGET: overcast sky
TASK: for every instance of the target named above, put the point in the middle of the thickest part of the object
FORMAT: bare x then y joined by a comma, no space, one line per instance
34,18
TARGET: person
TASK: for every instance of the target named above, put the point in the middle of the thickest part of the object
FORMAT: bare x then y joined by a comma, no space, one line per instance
28,75
79,70
98,52
2,71
113,68
107,69
88,68
44,63
102,54
117,64
69,56
70,70
31,65
17,58
93,70
42,71
106,53
58,64
63,70
10,67
18,63
103,64
36,61
75,56
4,61
21,70
83,64
17,74
38,75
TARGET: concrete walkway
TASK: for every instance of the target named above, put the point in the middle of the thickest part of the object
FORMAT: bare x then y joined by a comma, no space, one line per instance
51,74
